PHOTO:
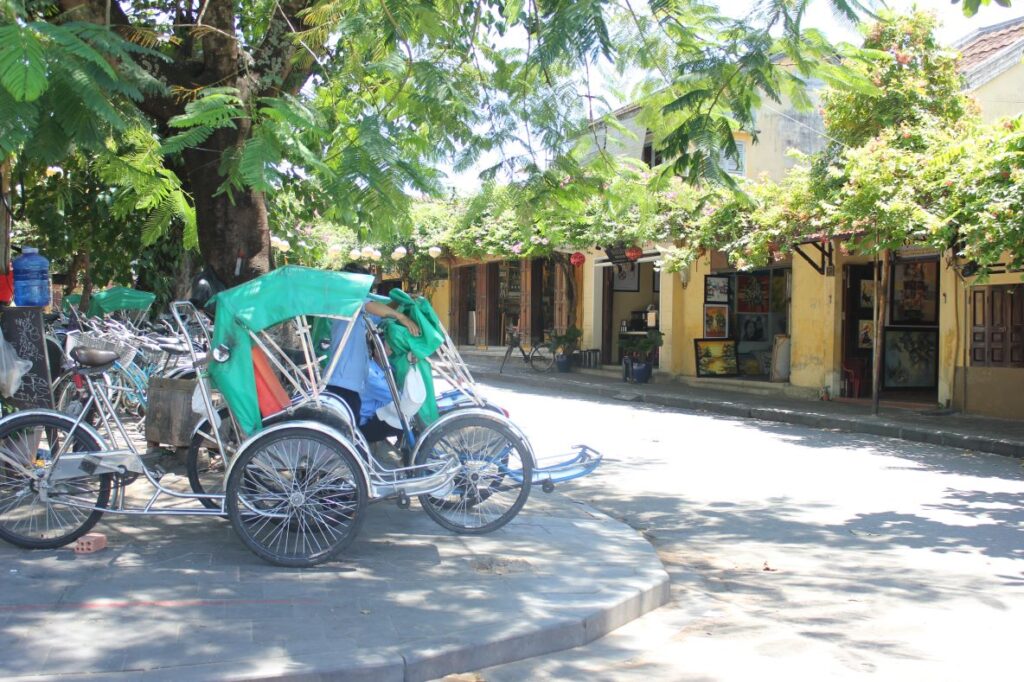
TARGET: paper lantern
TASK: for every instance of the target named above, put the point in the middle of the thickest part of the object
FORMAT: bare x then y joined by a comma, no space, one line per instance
354,254
375,255
634,252
367,251
399,253
434,251
577,259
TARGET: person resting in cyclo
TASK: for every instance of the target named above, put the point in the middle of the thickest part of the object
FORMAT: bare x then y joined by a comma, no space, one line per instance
357,378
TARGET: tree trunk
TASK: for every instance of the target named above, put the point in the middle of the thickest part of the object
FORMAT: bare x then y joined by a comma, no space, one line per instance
881,299
234,232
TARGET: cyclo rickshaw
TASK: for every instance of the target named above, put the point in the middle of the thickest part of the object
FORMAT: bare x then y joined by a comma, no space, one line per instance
297,473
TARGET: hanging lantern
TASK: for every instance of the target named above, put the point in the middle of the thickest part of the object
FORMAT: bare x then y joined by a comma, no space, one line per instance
367,252
633,253
354,254
333,250
577,259
376,254
399,253
434,251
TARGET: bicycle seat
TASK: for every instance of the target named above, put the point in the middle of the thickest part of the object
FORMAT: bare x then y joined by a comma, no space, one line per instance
94,358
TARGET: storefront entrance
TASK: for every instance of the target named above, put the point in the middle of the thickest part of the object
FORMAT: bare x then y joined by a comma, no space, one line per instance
910,339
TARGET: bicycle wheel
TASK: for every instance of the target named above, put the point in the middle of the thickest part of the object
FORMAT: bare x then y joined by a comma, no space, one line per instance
296,497
493,483
541,358
26,519
204,462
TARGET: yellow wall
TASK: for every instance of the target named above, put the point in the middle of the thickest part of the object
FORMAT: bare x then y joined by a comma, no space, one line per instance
439,296
815,324
1003,95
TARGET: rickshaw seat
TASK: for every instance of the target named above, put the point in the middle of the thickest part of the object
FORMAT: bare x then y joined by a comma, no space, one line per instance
270,393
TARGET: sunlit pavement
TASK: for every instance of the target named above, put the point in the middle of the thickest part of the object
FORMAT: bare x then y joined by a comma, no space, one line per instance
795,553
181,598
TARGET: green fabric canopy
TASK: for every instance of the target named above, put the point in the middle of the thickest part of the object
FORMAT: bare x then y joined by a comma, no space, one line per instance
262,303
69,301
119,298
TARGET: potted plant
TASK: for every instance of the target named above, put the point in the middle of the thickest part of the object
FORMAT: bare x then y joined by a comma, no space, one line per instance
563,345
638,359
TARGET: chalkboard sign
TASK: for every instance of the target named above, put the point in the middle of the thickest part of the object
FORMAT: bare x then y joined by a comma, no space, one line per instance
23,329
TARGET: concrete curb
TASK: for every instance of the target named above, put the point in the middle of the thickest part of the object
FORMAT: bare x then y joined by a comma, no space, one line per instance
867,424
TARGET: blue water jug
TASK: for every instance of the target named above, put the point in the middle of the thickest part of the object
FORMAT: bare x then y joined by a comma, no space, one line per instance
31,278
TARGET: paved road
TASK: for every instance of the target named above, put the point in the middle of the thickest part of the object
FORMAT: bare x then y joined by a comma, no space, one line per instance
795,554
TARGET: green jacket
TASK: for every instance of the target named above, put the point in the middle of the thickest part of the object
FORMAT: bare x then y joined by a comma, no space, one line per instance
402,343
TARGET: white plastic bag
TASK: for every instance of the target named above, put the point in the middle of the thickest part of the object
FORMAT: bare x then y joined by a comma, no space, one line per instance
414,393
12,368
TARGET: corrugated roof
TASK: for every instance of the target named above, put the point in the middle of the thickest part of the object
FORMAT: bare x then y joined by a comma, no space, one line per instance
985,43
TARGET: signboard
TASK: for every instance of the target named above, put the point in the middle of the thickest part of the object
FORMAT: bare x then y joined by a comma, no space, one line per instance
23,329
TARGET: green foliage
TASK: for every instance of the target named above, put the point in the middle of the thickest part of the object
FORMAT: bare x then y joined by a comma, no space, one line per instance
916,78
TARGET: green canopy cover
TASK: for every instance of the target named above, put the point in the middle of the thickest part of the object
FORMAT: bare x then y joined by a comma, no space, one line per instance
119,298
262,303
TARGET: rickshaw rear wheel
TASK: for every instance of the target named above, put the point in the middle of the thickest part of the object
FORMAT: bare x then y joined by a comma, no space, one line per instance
26,519
296,496
493,483
204,463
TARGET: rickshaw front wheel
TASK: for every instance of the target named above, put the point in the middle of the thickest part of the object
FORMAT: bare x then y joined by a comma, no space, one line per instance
296,496
493,481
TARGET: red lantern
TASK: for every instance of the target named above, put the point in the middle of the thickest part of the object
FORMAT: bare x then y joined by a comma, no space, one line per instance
577,259
633,253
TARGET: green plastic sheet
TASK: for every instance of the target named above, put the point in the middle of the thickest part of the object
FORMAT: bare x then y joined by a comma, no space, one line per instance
261,303
119,298
69,301
402,343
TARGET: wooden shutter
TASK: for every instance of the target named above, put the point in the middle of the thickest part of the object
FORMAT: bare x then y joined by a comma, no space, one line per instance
1015,325
997,326
979,325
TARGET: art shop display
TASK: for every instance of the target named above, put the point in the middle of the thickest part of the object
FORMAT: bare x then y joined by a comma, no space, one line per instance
716,321
716,357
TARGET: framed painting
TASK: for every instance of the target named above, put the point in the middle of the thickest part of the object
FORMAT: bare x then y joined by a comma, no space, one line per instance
866,334
915,292
867,294
716,357
627,277
752,328
752,294
911,358
716,289
716,320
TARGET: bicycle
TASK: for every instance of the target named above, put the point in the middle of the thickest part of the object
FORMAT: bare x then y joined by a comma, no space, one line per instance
540,358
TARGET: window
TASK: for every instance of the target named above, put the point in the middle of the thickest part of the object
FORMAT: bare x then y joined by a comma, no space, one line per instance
997,326
734,166
651,157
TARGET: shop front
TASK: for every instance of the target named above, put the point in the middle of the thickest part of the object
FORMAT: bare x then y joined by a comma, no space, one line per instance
630,292
490,299
745,324
910,334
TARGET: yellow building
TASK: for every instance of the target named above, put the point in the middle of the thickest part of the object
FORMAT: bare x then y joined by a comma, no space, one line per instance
804,326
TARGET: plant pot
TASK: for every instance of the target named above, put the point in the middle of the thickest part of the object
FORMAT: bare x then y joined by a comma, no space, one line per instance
563,362
640,372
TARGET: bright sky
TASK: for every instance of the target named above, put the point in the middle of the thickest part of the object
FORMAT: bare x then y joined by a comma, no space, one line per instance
953,25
